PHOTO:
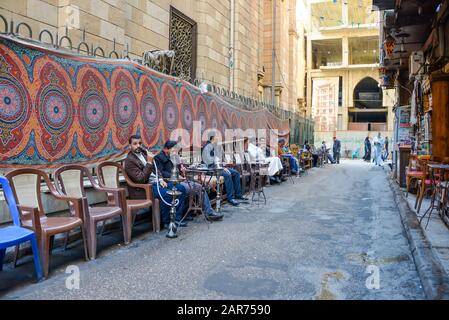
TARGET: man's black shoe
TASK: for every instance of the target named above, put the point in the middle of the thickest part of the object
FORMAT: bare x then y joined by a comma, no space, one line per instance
242,198
233,203
283,179
273,180
214,216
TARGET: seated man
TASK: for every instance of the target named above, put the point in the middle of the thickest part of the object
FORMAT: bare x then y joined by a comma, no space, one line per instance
257,153
325,150
285,153
139,167
306,146
231,176
175,159
315,155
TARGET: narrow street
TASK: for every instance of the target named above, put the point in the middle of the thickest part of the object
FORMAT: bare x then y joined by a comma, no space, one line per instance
319,238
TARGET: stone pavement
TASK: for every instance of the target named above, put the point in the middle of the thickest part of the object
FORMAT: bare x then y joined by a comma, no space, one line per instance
327,236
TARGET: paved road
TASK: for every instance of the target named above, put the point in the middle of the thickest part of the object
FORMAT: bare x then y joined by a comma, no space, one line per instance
315,239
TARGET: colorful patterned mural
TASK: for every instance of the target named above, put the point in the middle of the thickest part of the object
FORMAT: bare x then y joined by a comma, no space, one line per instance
58,107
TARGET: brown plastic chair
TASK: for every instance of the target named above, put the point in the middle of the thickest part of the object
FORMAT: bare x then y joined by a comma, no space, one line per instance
287,170
306,160
69,180
26,185
108,177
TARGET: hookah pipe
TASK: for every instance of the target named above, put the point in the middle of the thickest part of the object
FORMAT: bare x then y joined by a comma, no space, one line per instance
157,182
174,193
218,171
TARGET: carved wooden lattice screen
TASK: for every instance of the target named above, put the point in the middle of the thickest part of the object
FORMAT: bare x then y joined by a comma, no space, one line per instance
183,32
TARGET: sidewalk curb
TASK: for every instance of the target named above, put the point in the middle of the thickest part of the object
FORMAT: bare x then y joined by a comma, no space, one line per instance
434,279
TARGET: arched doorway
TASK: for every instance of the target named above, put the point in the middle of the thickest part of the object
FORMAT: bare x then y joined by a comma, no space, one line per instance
367,94
368,112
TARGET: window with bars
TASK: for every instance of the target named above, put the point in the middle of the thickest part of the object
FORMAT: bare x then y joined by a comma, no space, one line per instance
183,41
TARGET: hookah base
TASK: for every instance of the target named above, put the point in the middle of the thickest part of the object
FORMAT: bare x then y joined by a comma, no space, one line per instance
172,231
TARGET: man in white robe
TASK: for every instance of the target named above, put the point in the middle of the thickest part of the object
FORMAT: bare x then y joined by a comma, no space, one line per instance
378,142
257,153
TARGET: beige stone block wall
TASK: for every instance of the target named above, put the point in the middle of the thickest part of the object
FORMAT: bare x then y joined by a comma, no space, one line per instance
39,14
142,25
213,20
247,42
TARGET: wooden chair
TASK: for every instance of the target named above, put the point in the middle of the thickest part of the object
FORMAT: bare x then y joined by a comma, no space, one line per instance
440,178
69,180
108,177
306,160
424,182
287,170
26,186
438,183
294,148
414,172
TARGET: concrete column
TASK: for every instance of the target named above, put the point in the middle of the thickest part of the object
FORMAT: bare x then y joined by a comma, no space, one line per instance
345,49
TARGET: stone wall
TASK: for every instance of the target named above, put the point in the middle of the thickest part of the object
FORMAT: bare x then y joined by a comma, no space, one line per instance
142,25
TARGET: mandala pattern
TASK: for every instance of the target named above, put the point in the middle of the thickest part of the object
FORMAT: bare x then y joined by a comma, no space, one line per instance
55,109
234,121
10,102
187,113
13,104
94,111
125,107
84,110
251,124
151,116
201,113
170,111
215,120
150,112
243,125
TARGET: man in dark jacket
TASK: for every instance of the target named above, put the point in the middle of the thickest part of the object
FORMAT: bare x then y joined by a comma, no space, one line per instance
139,167
336,149
164,162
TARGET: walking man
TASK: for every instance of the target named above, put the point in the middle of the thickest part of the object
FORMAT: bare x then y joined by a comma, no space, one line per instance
336,150
378,146
367,156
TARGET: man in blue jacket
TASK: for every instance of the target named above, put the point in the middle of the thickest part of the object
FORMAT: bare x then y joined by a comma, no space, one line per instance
164,168
231,176
164,161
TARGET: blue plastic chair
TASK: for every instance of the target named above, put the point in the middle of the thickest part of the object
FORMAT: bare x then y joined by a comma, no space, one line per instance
15,235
